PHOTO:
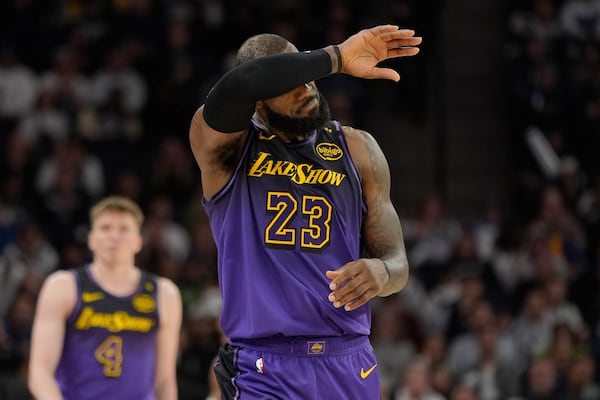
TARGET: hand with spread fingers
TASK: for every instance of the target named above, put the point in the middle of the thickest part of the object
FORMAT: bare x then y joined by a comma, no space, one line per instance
362,51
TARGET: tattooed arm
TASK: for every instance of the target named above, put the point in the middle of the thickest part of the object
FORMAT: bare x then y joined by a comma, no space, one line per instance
382,232
387,272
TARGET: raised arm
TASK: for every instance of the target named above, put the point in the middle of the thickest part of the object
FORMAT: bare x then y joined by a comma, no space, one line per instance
218,127
167,341
55,302
387,271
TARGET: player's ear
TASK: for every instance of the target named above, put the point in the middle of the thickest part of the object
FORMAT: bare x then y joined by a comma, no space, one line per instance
90,240
140,243
260,105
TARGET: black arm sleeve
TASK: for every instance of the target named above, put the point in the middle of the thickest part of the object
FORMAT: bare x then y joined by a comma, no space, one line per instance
231,102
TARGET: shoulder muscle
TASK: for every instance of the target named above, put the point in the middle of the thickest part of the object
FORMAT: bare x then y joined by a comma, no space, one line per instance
169,297
368,158
58,295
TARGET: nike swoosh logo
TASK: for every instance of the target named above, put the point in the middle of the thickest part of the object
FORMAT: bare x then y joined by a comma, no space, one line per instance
364,374
90,297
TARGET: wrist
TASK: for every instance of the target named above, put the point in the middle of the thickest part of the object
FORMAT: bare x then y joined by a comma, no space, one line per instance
336,58
387,269
340,62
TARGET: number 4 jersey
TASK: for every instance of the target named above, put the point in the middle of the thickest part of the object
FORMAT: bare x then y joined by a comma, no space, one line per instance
110,342
290,212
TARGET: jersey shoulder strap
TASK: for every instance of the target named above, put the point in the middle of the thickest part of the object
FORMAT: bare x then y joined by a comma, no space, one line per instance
149,282
85,283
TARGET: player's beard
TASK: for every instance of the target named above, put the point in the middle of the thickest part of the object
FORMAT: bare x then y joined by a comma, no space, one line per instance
299,128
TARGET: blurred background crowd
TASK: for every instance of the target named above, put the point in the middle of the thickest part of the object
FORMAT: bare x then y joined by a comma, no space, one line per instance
503,302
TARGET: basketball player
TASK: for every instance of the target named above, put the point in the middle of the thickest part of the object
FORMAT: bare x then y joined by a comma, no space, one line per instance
108,330
293,198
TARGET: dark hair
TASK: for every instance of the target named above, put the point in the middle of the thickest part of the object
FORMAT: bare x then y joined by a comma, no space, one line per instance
264,44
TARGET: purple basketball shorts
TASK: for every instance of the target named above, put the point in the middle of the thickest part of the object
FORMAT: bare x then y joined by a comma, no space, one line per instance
298,368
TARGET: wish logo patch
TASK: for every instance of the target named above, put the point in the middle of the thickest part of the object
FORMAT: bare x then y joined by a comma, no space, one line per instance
329,151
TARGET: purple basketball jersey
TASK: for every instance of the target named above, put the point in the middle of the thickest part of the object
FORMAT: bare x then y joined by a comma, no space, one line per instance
289,213
109,350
